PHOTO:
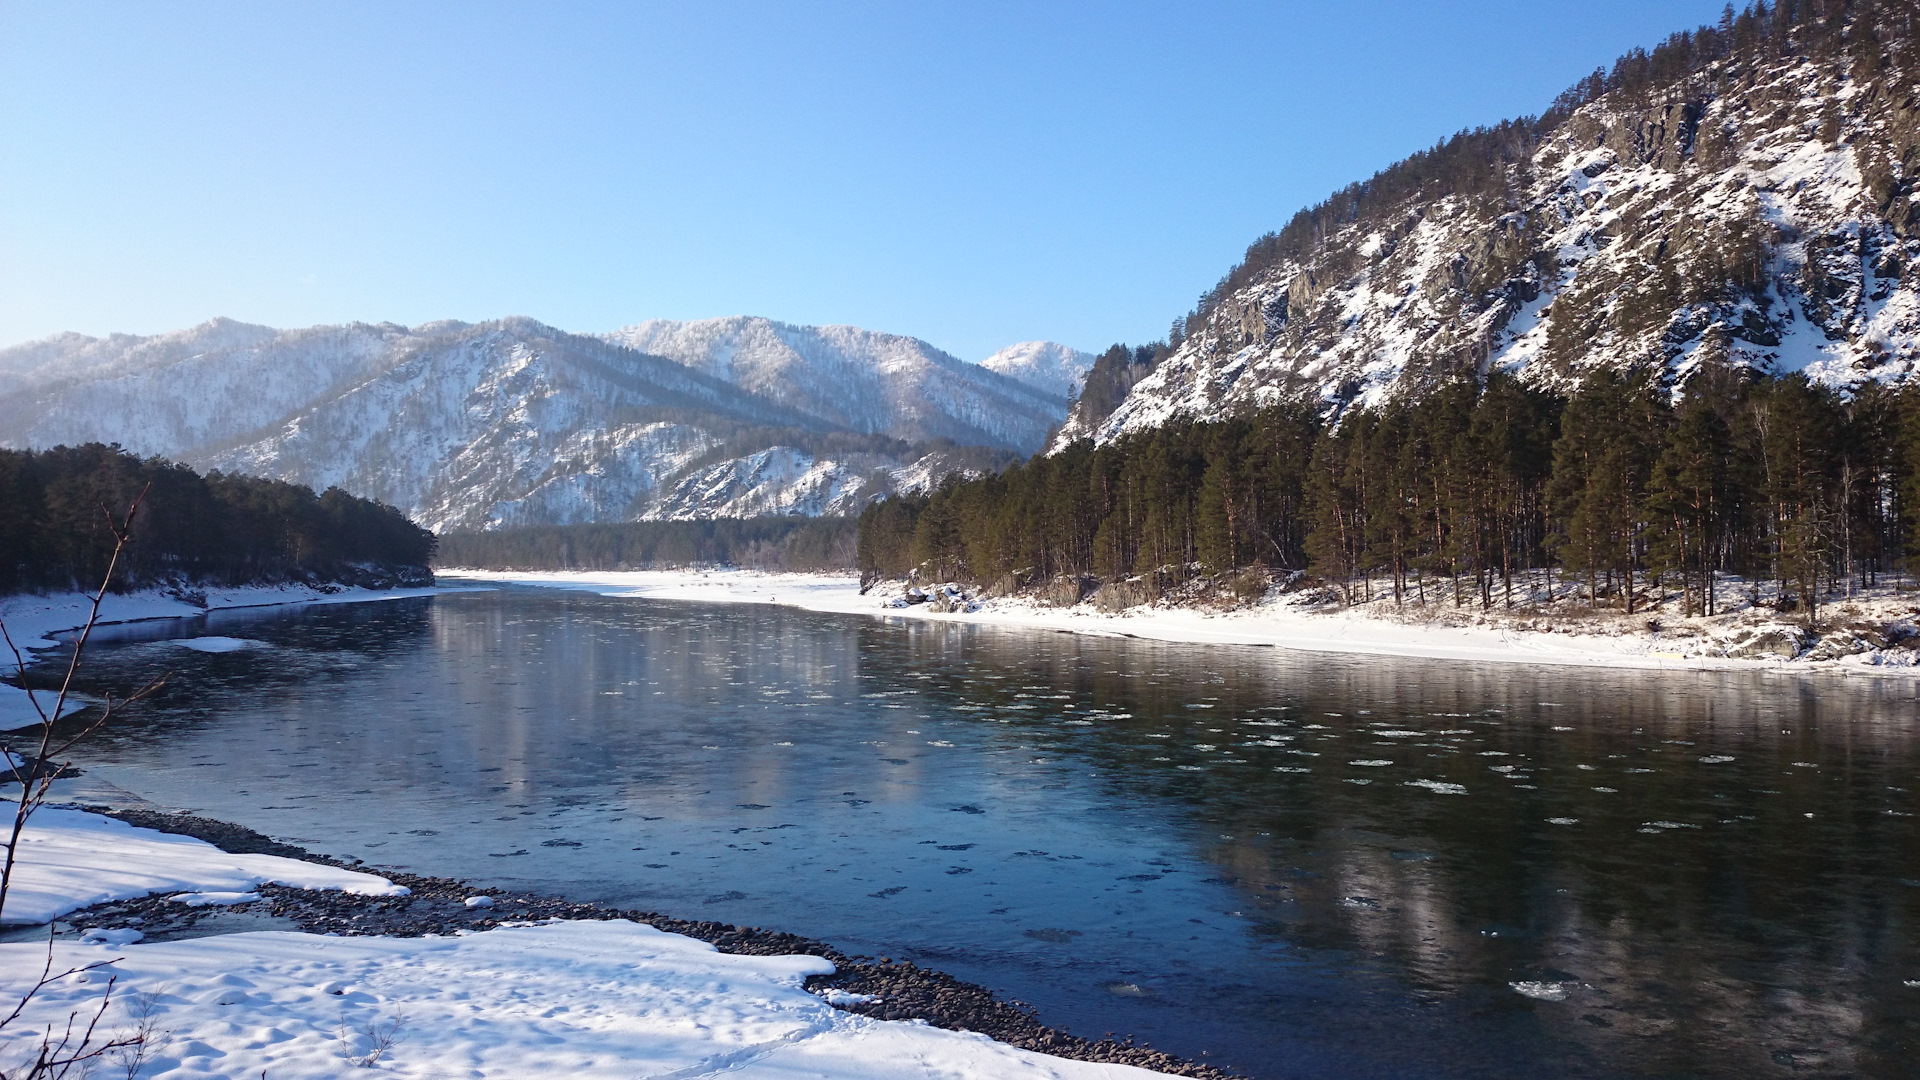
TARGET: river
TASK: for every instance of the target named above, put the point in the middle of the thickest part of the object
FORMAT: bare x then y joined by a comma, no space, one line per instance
1297,865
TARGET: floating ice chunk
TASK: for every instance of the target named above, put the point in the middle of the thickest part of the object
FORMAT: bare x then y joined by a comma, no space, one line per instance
215,644
214,899
1371,763
1290,768
1563,821
1716,759
1543,991
1561,727
1438,787
479,901
1394,733
1358,781
1607,790
1805,765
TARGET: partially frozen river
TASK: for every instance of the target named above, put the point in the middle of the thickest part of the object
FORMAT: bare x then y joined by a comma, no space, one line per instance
1293,864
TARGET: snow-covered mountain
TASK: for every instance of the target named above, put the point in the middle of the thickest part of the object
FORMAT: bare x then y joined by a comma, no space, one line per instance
1048,365
514,422
1743,195
858,379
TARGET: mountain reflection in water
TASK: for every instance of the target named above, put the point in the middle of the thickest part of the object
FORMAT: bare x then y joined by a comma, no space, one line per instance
1296,864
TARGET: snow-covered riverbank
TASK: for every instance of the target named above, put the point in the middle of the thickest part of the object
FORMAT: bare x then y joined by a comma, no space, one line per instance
70,859
1496,637
603,998
32,620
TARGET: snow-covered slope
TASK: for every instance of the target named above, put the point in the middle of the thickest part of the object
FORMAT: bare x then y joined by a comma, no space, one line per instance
1760,211
858,379
514,422
1048,365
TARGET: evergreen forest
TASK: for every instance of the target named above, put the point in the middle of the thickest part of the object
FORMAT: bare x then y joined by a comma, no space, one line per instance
764,543
1472,494
58,506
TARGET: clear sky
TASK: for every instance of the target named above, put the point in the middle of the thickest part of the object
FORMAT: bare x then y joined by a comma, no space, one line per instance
974,173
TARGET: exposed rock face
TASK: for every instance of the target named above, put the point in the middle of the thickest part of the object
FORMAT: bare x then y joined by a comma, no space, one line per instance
1121,595
1067,591
1782,643
1760,213
1011,583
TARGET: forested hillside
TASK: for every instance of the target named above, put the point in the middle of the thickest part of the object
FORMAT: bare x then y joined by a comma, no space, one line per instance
1660,334
217,529
1454,495
513,422
1741,196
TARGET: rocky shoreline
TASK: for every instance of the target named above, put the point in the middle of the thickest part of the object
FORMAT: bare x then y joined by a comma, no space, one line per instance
876,987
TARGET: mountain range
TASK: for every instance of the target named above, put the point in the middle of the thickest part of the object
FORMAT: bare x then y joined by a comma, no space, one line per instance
1743,195
515,422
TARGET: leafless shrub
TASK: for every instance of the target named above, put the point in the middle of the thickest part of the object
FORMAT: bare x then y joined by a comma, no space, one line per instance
372,1039
60,1053
138,1043
36,773
69,1051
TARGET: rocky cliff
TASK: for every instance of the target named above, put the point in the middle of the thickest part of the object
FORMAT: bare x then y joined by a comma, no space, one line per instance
1742,195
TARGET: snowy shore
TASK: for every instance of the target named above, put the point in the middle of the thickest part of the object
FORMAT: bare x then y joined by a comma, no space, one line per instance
1376,630
32,620
543,997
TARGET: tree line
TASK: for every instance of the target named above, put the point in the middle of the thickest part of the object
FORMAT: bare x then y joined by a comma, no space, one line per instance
767,543
1473,494
216,529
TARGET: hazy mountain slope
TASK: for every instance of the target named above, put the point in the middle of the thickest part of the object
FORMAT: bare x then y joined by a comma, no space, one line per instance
859,379
465,426
1742,195
1048,365
192,388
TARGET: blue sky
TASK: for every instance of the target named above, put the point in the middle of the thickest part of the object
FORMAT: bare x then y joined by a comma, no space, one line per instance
973,174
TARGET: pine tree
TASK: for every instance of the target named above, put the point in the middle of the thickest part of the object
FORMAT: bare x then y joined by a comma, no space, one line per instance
1686,501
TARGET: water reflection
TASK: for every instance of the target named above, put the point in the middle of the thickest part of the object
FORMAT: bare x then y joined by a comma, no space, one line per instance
1302,865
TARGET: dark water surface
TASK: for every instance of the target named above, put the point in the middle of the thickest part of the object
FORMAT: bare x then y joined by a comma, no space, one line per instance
1293,864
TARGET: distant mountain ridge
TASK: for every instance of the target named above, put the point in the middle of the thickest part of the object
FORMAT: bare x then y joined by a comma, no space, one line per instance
858,379
1742,196
1048,365
513,422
